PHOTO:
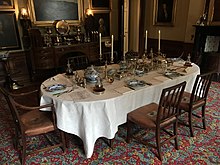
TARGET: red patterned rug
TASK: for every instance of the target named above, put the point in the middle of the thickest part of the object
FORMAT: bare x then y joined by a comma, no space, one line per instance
204,148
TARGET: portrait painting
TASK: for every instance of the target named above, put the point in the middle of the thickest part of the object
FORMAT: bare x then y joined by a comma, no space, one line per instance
164,12
214,12
102,23
6,4
9,37
46,12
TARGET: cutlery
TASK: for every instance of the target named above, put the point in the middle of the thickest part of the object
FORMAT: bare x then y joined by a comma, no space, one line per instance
148,83
44,86
129,87
59,94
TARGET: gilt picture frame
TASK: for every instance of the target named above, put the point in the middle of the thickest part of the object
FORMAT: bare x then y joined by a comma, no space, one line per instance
6,4
164,12
47,12
9,35
100,4
102,17
214,12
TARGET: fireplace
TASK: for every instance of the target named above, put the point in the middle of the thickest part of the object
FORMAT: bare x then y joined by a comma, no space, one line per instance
207,48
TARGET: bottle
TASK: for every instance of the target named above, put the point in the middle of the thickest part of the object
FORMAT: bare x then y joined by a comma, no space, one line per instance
69,70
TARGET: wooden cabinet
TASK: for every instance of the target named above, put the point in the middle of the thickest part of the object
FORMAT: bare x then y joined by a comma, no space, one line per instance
47,61
93,53
199,56
62,52
210,62
43,58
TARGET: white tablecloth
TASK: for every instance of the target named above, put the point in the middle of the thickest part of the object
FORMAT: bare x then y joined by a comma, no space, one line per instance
91,116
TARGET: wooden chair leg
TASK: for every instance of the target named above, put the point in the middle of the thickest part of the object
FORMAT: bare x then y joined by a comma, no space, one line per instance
158,144
111,142
15,140
63,139
190,124
128,132
24,145
175,125
203,117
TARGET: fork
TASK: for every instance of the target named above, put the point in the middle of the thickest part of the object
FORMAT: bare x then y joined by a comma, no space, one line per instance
68,91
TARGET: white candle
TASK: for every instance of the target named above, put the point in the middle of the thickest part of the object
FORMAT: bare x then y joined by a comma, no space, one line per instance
159,40
112,58
146,41
100,44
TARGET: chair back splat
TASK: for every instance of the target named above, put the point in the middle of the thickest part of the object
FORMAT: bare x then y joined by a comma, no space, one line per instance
78,62
158,117
30,121
201,87
169,103
197,98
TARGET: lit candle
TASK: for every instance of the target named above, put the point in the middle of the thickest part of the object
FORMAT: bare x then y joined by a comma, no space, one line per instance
146,41
112,58
100,44
159,41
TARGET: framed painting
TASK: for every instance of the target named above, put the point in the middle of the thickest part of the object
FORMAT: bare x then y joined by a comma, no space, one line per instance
102,21
214,12
46,12
100,4
9,36
6,4
164,12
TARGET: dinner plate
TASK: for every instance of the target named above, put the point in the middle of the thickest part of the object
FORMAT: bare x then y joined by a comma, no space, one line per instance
55,87
172,75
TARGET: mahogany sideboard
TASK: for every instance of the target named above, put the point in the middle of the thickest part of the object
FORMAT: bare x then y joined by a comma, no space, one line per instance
47,61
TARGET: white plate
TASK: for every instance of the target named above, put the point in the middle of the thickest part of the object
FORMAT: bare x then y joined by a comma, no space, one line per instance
55,87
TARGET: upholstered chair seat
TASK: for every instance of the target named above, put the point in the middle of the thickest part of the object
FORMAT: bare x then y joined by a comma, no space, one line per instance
147,116
157,117
36,122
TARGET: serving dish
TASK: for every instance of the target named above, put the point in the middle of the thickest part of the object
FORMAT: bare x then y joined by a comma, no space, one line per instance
135,83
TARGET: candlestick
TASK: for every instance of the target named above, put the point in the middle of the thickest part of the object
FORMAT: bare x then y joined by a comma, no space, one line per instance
159,41
146,42
100,45
124,50
112,57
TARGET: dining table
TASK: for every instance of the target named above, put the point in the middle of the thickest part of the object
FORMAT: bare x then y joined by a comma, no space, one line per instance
90,115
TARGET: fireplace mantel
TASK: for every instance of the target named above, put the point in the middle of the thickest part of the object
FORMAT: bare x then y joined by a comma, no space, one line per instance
208,61
200,39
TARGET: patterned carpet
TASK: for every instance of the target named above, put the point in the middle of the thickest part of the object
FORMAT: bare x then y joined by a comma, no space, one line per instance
203,149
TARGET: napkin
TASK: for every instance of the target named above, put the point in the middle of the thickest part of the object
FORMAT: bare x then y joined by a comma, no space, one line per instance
80,95
61,78
123,90
161,78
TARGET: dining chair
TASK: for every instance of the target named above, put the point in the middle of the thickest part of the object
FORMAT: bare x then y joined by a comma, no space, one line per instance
107,57
157,117
29,121
78,62
196,99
